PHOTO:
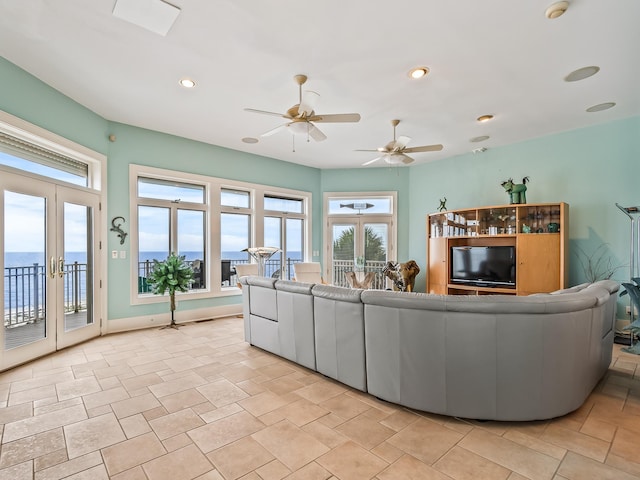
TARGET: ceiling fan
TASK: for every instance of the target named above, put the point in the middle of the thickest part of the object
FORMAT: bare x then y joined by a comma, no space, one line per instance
302,116
394,152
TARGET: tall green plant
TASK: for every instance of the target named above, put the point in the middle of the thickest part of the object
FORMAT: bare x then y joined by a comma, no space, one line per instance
171,275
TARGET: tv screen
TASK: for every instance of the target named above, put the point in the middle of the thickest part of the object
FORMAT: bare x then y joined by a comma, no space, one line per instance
484,266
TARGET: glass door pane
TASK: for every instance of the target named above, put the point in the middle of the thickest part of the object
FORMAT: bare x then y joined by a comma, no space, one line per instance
376,241
77,266
25,264
343,248
77,274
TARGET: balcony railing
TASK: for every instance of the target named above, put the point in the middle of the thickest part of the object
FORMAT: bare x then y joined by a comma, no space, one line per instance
25,292
228,272
340,267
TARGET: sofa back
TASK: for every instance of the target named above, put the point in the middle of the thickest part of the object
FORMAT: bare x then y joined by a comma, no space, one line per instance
493,357
339,334
296,322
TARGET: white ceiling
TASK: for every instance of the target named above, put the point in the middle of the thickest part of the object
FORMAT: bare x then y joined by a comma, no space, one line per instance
500,57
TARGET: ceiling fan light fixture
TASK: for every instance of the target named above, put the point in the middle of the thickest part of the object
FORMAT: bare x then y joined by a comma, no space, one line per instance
555,10
582,73
418,72
484,118
298,128
187,83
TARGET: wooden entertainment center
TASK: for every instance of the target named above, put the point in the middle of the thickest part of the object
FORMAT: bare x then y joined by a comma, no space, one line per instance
539,233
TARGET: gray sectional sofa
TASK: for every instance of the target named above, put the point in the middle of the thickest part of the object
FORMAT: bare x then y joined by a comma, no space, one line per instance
490,357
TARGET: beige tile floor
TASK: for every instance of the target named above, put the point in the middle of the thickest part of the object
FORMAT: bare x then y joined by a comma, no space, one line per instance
200,403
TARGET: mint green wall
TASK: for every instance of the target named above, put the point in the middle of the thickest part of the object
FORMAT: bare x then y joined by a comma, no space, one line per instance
26,97
591,169
32,100
146,147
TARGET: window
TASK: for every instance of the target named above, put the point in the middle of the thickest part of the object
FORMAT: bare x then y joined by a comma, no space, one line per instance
283,228
31,149
171,217
361,235
235,231
212,222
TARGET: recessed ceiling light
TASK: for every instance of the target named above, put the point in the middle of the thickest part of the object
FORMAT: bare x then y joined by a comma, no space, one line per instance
582,73
484,118
601,106
250,140
187,83
555,10
481,138
418,72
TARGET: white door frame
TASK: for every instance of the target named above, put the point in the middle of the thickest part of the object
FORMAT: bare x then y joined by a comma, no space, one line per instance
55,196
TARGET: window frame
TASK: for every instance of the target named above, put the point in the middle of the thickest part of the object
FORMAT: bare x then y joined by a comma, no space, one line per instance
214,209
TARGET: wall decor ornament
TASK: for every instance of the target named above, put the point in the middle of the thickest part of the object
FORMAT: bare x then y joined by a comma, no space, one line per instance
516,191
116,228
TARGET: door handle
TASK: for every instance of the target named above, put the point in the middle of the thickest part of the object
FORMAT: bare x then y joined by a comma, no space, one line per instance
61,267
52,267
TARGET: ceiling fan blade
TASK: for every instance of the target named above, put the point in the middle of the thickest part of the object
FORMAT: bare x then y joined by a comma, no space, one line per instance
371,161
336,118
316,134
309,102
264,112
425,148
273,130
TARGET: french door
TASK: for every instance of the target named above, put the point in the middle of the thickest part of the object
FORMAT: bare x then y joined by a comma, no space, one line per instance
49,243
361,244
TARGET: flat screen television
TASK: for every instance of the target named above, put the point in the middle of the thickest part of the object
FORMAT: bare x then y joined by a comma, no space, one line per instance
493,266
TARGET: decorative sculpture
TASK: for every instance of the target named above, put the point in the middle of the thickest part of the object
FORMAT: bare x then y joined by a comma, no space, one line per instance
443,204
116,228
366,282
516,191
403,275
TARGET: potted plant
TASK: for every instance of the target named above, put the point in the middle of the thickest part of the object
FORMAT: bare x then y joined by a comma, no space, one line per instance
633,289
171,275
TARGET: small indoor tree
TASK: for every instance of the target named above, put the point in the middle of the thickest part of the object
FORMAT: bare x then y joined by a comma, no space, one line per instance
171,275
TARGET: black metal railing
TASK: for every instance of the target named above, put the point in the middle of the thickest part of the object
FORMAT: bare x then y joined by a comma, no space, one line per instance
25,292
228,272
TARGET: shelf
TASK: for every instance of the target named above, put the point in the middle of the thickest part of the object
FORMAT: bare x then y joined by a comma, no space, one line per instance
476,290
538,232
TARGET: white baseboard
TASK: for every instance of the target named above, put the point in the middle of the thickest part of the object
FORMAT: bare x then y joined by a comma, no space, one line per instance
148,321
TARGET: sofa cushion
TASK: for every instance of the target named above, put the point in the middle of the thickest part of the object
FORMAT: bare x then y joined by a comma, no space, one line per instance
262,297
296,322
